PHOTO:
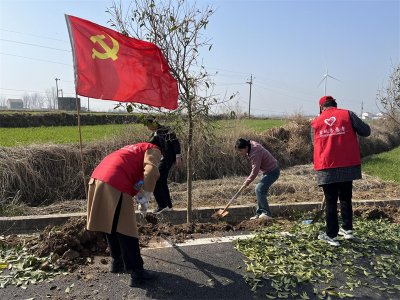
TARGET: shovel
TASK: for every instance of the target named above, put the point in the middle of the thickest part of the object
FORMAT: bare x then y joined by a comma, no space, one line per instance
223,212
320,213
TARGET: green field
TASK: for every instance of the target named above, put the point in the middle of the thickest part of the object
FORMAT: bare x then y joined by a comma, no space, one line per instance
257,125
384,165
12,137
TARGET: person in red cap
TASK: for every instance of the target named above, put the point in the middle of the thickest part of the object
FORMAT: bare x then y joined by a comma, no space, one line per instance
337,163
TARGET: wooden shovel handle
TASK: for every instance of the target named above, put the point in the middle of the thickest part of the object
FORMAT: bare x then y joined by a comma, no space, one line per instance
233,198
323,203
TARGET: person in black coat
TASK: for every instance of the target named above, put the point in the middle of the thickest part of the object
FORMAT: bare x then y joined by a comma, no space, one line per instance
171,155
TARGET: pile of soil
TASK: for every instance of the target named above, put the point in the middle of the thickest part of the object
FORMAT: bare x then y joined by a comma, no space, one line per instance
73,237
180,233
376,212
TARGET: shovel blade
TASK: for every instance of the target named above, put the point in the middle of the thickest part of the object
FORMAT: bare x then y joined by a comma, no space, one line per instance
219,214
317,217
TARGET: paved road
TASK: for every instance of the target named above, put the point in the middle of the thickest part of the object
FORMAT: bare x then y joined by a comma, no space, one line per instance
204,271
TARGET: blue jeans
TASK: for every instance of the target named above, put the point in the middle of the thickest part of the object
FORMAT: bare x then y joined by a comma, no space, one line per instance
262,189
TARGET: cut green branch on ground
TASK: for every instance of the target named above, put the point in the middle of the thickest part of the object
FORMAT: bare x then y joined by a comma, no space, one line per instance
282,262
19,267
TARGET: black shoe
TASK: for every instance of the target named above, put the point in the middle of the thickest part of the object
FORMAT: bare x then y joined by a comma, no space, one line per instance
140,275
117,266
159,210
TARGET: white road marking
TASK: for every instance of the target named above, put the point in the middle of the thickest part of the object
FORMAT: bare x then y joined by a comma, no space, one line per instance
203,241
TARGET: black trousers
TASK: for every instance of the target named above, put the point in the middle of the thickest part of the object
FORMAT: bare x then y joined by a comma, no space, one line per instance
343,191
161,191
124,246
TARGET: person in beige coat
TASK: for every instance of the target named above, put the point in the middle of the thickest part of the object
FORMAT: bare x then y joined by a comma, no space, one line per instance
128,172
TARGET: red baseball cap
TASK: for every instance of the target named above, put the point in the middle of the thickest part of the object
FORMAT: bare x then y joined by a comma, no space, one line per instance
325,99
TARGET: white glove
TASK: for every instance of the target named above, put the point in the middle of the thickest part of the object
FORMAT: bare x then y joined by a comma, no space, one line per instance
142,198
142,208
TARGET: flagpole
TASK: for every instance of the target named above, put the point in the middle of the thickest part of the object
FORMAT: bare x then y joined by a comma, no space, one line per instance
80,143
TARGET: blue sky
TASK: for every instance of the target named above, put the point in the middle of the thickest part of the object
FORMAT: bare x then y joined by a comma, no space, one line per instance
282,43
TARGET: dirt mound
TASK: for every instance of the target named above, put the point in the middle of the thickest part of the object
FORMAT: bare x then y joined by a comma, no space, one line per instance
376,212
72,235
253,224
180,233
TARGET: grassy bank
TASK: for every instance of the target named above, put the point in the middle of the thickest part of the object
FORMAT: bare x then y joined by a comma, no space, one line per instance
257,125
12,137
384,165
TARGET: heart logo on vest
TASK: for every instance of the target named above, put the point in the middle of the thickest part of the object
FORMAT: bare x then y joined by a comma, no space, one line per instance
330,121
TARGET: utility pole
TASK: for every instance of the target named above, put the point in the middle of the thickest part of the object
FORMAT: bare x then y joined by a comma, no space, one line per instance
62,95
362,108
87,103
57,79
250,82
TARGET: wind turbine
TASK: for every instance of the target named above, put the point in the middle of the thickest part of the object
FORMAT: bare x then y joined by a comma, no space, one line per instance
326,78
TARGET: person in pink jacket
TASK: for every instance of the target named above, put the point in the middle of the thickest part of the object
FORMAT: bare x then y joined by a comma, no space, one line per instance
262,162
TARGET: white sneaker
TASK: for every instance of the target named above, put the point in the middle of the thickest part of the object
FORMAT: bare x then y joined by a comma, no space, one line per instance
327,239
264,216
347,234
255,217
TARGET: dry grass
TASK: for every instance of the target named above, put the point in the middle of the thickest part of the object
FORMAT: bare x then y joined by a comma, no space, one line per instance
43,174
296,184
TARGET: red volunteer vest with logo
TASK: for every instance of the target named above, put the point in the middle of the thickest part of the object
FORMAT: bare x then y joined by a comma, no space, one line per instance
123,168
335,141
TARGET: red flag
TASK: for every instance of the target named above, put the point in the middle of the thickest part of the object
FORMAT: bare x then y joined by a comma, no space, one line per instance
111,66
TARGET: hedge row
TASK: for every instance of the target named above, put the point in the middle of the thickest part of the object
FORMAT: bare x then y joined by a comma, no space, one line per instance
35,119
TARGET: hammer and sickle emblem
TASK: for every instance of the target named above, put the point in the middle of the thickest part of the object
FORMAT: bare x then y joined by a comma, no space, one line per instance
110,53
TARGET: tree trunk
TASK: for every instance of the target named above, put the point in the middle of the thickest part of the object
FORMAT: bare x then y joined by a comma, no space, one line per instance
189,166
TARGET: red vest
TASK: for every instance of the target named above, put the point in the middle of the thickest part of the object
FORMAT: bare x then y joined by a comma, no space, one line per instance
123,168
335,141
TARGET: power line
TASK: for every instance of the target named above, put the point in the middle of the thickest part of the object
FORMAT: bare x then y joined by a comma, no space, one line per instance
43,37
260,77
34,45
227,71
35,59
263,99
288,87
259,108
273,81
229,76
297,97
285,94
229,84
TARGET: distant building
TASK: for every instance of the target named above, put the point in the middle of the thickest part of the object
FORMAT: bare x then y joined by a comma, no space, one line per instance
15,104
366,116
68,103
378,116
